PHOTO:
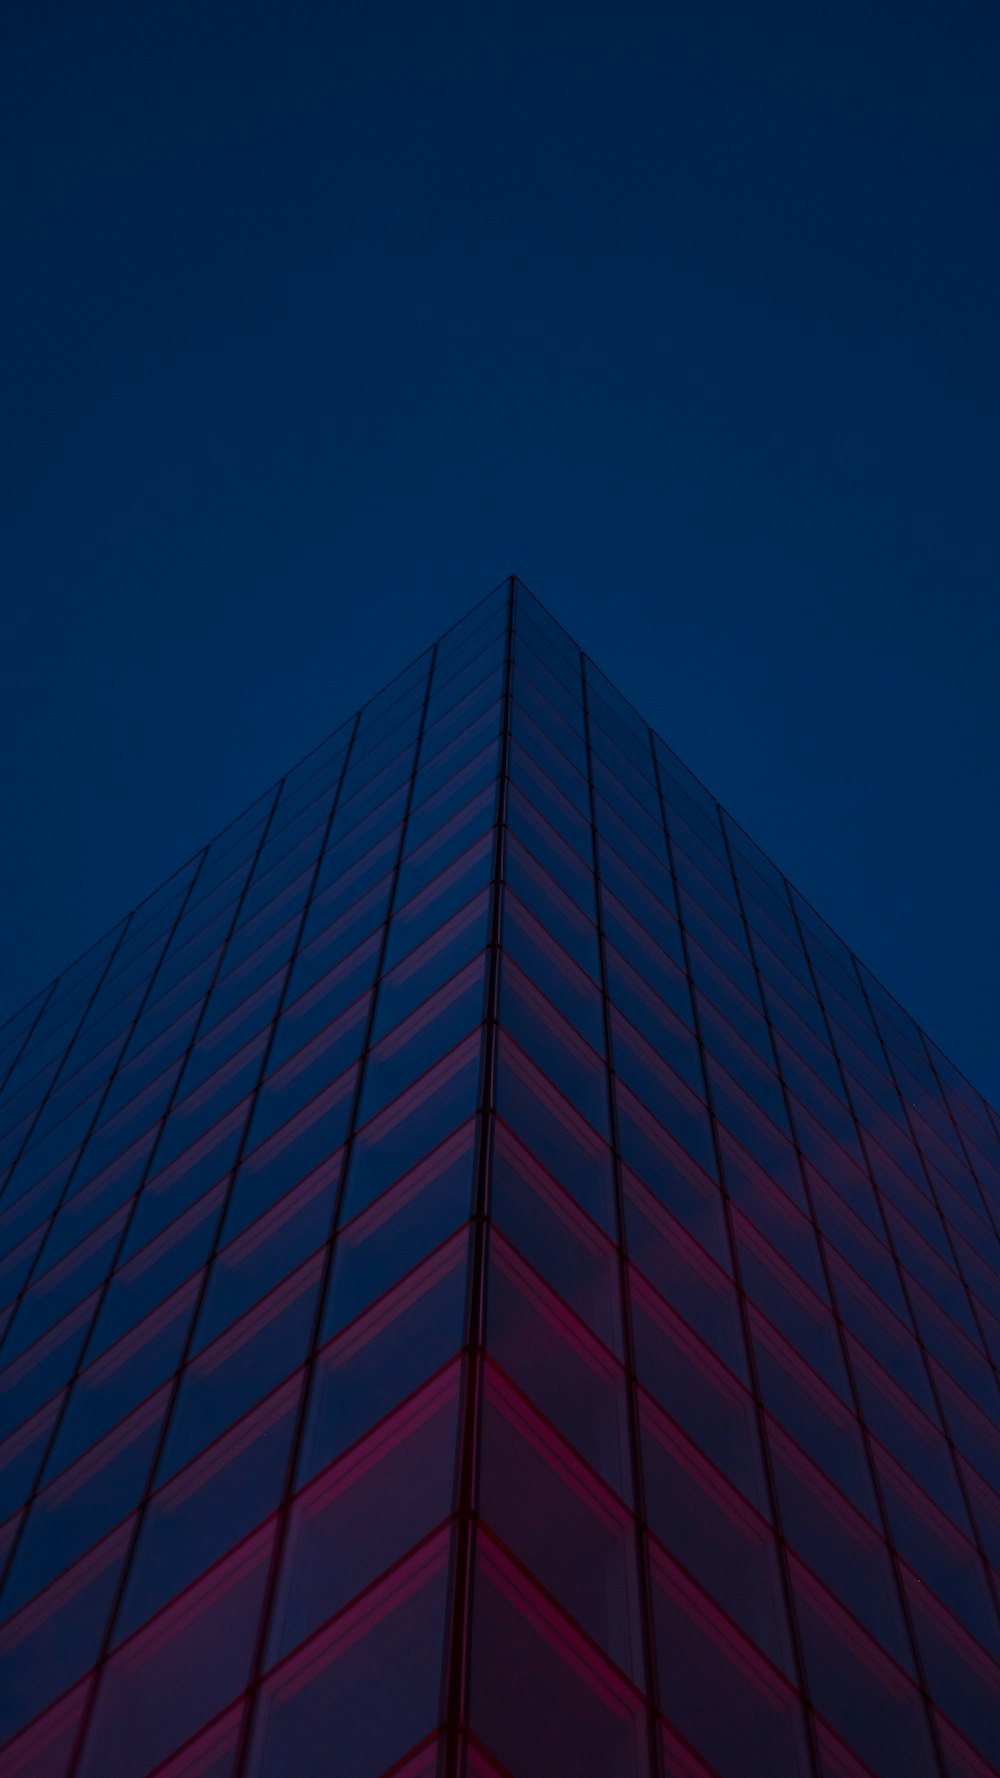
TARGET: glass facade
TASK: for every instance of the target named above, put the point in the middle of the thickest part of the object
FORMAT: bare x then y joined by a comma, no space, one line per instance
490,1287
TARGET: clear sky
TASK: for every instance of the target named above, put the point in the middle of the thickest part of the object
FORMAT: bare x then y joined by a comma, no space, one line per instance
319,319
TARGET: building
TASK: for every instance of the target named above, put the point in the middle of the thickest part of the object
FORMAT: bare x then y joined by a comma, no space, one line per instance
389,1385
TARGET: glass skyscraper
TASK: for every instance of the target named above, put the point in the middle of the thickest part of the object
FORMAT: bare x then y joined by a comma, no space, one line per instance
492,1288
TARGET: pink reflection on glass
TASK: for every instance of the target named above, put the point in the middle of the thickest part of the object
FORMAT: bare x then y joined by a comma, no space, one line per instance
43,1751
574,1713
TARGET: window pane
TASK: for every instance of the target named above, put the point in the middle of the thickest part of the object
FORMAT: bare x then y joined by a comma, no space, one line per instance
551,968
555,1133
556,1238
163,1684
682,1272
700,1394
385,1354
572,1066
722,1695
572,1380
123,1376
728,1547
413,1125
248,1267
530,1482
207,1509
432,963
83,1504
53,1641
574,1711
404,1225
869,1701
321,1697
365,1512
410,1050
239,1368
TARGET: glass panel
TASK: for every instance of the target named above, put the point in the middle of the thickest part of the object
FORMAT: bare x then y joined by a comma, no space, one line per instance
816,1418
53,1641
530,1482
434,962
333,933
914,1439
946,1561
55,1292
708,1527
870,1702
421,916
162,1685
241,1366
556,1238
207,1509
27,1383
43,1750
20,1454
321,1696
553,971
963,1678
268,1250
572,1380
802,1316
557,810
682,1272
575,1713
120,1379
710,1404
433,807
555,910
703,1660
422,1039
83,1504
413,1125
169,1192
566,1061
557,859
422,864
672,1175
555,1133
299,1145
385,1354
313,1011
838,1544
161,1267
285,1090
404,1225
367,1511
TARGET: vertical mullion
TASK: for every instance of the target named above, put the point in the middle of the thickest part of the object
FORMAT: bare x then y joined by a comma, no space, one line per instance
845,1354
772,1491
44,997
103,1095
931,1380
901,1275
283,1514
54,1082
925,1168
102,1289
641,1521
988,1213
455,1677
173,1384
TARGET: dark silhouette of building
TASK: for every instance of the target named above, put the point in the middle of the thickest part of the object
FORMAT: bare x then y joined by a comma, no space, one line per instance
493,1287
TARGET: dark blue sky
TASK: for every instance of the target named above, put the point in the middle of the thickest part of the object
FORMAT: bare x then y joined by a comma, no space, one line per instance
318,320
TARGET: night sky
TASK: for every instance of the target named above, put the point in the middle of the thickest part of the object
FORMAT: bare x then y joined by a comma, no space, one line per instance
319,320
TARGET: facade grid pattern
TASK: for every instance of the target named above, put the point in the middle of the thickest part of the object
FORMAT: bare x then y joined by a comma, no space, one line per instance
491,1287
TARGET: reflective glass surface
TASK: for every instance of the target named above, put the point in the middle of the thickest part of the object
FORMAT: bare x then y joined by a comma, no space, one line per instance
490,1287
